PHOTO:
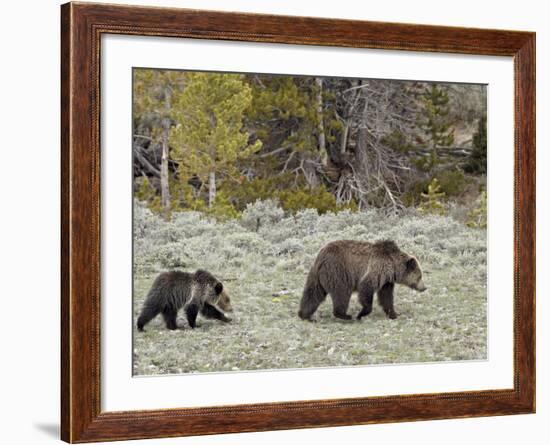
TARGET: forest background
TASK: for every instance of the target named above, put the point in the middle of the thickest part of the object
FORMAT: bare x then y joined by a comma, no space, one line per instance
217,142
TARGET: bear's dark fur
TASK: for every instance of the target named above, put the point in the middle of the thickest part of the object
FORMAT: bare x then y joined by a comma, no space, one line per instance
342,267
196,292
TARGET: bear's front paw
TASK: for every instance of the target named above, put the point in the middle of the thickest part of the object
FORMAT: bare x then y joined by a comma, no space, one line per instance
392,315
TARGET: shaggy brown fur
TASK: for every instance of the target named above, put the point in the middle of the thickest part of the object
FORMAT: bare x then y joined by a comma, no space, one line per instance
342,267
197,292
224,302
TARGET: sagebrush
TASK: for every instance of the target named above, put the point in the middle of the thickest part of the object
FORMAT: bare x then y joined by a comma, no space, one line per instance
263,258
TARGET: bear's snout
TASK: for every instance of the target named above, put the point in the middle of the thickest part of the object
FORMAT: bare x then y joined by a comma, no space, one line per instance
421,287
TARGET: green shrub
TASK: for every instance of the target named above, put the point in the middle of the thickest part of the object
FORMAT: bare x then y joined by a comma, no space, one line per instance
304,198
477,217
144,191
291,195
249,191
451,182
432,200
222,209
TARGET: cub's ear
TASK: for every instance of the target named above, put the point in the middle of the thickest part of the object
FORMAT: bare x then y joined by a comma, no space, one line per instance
411,264
218,288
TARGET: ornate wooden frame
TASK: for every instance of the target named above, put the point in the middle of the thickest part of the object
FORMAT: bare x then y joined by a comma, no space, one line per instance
82,25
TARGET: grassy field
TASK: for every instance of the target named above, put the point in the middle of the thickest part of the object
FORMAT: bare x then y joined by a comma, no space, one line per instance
263,259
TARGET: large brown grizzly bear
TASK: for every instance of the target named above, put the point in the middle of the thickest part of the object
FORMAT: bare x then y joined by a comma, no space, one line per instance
345,266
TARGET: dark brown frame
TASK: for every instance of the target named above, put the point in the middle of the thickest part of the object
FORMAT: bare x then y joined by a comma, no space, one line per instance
82,25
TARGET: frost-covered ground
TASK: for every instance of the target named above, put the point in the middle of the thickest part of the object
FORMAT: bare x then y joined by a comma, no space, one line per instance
265,253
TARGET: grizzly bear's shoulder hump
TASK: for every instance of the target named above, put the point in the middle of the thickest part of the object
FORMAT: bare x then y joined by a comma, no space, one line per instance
386,247
349,246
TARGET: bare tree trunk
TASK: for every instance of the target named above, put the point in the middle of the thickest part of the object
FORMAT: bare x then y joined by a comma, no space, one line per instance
164,189
211,188
320,124
433,156
164,185
310,172
362,169
351,104
344,138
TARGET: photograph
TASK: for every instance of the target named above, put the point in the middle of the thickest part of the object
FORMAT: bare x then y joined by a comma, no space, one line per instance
289,221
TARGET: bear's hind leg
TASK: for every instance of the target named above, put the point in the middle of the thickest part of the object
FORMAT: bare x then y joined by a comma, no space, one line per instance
366,293
385,298
147,314
313,296
169,314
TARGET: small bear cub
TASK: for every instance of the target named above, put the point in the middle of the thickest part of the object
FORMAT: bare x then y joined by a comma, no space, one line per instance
195,292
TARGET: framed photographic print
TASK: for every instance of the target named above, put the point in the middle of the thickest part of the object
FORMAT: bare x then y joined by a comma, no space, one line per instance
275,222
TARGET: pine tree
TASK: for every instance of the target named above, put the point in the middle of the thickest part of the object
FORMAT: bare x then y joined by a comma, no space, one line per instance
478,158
436,122
286,113
431,201
209,137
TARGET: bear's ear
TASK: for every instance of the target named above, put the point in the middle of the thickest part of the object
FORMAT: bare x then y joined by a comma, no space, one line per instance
411,264
218,288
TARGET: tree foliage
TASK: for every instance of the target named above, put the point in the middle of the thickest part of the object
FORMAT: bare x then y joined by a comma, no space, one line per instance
432,201
477,217
436,122
477,162
209,137
153,92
